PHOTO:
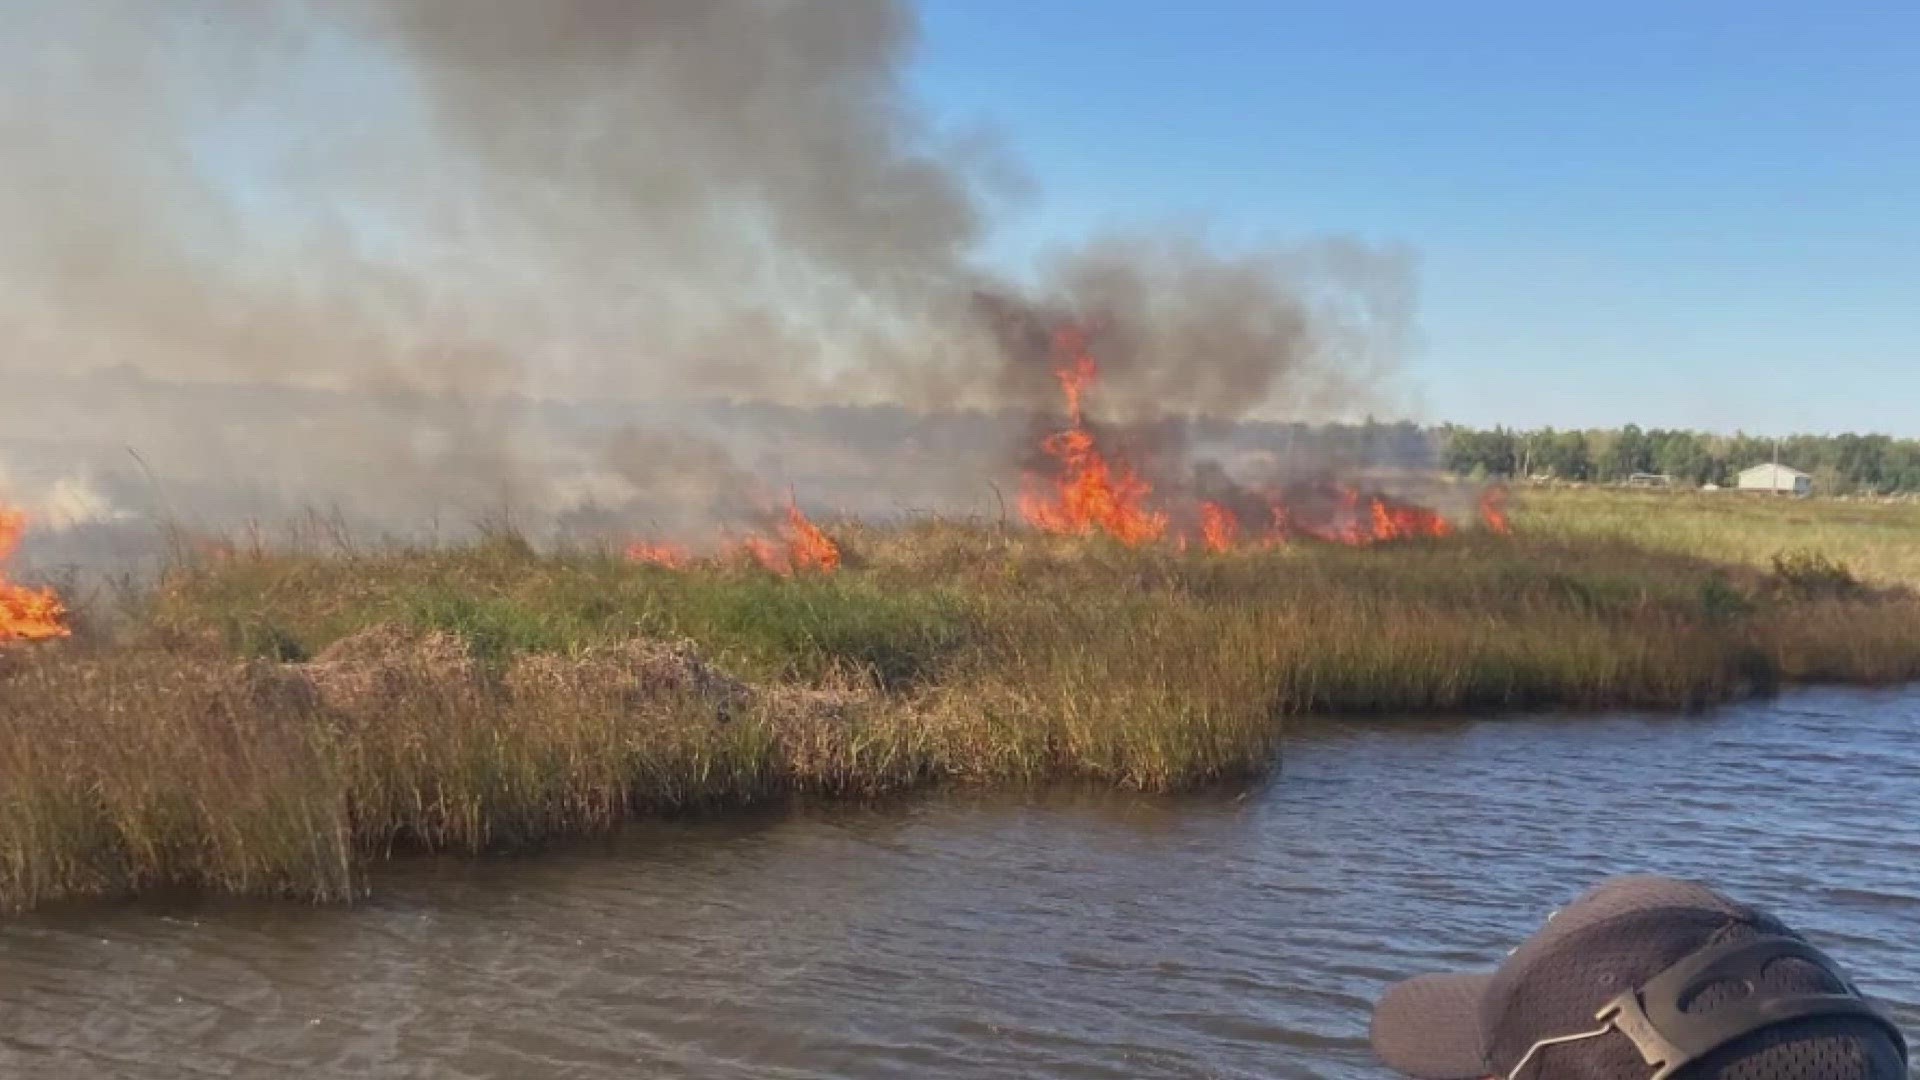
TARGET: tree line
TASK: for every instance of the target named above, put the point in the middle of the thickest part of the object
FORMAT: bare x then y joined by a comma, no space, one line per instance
1839,464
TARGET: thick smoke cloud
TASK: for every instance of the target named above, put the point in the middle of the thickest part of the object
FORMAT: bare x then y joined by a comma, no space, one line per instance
419,259
1181,328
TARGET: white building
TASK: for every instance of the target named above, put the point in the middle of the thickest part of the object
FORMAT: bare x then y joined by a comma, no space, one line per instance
1776,478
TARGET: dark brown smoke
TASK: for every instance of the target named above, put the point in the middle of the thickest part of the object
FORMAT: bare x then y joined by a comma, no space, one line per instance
437,259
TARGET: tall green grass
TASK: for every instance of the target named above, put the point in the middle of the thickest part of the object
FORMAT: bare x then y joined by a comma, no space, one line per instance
1879,540
275,721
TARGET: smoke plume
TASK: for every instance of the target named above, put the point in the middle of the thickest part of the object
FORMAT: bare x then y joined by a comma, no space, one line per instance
418,259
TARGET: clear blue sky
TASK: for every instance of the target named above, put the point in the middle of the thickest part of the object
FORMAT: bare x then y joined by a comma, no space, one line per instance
1672,214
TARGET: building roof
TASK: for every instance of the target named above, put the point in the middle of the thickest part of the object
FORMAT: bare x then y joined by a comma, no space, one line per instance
1779,470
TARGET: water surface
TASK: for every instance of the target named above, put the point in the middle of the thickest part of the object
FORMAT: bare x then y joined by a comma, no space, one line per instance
1061,934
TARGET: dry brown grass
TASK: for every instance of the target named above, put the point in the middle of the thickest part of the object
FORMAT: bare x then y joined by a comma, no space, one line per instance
137,770
275,722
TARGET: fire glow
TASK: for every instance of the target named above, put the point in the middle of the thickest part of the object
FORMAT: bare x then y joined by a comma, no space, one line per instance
25,614
1089,492
801,547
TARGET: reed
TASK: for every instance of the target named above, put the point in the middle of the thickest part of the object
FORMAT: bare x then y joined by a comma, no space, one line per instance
276,721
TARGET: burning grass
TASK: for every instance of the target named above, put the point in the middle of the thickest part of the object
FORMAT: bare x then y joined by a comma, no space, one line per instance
25,614
1091,492
800,548
276,722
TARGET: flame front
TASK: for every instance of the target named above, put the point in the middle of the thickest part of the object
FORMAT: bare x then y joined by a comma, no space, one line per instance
1399,521
1360,520
1089,494
1085,492
671,556
1092,493
1218,527
25,614
1493,510
766,554
802,547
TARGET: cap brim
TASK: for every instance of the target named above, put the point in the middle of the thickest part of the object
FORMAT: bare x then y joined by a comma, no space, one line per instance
1429,1027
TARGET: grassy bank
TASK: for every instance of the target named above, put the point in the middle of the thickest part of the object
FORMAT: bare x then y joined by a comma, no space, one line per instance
1880,541
275,722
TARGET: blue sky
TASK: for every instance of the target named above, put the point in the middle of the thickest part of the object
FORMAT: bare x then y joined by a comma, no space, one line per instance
1697,214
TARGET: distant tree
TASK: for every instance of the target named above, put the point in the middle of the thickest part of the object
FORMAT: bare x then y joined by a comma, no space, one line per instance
1599,452
1682,455
1492,452
1840,463
1562,454
1630,452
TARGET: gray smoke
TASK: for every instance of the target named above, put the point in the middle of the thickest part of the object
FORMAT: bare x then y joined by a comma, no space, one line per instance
430,259
1181,328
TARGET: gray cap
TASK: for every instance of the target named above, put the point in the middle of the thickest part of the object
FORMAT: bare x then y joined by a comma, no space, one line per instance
1614,939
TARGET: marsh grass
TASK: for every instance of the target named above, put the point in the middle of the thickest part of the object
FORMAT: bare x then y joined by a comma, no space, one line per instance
274,721
1878,540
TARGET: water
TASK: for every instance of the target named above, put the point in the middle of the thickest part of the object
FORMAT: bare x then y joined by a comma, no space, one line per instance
1067,934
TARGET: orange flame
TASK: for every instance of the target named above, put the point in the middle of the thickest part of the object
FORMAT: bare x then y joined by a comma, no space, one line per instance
807,547
1493,510
1372,519
802,546
1077,371
1218,527
671,556
25,614
1089,494
1352,518
770,556
1399,521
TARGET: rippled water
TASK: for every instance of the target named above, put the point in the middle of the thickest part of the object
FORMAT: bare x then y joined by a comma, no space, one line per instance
1065,934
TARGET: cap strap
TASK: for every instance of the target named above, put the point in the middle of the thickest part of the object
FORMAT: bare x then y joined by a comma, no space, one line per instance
1559,1040
1669,1037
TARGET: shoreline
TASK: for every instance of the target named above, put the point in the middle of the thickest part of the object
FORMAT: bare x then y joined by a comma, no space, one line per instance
1042,789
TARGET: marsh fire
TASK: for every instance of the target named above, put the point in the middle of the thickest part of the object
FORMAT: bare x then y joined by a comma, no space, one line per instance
797,546
1090,490
25,614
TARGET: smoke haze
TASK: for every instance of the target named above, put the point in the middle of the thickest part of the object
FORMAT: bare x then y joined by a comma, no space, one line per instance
424,260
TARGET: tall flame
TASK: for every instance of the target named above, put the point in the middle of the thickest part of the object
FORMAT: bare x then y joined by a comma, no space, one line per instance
1084,492
1077,369
807,547
1493,510
1218,527
1089,494
25,614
